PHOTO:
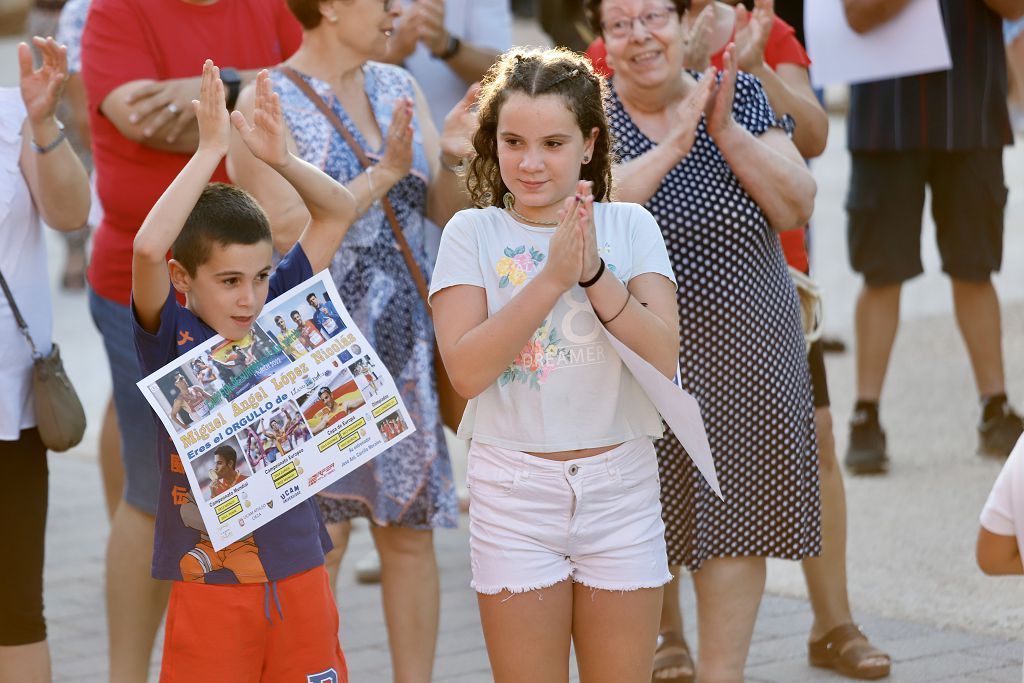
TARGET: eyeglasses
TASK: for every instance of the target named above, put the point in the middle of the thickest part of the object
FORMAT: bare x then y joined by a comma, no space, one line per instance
651,20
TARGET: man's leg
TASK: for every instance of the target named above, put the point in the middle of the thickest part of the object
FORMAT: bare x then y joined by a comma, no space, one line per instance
980,323
876,323
968,203
884,206
135,600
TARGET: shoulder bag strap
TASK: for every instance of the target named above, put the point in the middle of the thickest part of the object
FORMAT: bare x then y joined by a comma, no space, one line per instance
17,315
389,211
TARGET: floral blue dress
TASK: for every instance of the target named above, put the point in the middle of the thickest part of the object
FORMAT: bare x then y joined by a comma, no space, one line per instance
411,484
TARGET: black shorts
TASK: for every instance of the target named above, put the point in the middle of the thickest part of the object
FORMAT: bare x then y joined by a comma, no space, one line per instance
885,202
23,499
819,383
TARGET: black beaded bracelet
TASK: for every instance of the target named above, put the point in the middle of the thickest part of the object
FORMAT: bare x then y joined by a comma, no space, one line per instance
592,281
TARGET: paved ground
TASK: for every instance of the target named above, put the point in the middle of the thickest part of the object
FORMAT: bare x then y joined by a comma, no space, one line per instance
912,578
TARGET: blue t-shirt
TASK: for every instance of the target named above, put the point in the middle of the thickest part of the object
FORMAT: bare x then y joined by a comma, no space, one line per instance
327,320
290,544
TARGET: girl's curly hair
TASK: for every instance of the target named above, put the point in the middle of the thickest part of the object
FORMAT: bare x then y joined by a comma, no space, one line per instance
535,72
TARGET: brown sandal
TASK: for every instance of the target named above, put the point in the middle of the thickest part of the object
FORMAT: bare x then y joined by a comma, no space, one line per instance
843,649
672,652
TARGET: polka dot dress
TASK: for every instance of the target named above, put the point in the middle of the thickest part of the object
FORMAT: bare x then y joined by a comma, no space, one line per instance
741,355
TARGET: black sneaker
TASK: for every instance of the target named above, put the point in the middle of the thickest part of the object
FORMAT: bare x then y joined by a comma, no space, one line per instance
999,434
866,451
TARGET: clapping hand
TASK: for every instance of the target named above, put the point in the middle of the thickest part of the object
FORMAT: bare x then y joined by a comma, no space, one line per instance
266,138
431,30
572,252
211,112
397,159
565,250
41,88
697,39
460,125
752,31
588,230
718,111
688,113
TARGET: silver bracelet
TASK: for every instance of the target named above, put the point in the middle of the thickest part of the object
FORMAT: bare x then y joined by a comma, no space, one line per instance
61,136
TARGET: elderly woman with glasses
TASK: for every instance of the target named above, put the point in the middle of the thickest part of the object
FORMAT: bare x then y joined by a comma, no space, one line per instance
336,78
707,155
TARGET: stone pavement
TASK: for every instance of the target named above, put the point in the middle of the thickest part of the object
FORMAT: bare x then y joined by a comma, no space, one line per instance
74,599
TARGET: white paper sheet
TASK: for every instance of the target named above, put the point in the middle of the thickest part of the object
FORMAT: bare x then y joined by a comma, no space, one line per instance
912,42
680,410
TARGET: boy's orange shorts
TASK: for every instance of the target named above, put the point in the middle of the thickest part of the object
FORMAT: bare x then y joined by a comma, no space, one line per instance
243,633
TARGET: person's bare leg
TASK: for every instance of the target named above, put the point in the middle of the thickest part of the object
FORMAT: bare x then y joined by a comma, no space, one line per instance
339,533
528,634
980,322
729,593
111,466
25,663
135,600
411,590
1015,71
877,319
671,619
826,574
614,633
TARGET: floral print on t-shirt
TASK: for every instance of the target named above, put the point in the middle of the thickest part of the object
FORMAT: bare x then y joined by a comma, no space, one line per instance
537,359
516,265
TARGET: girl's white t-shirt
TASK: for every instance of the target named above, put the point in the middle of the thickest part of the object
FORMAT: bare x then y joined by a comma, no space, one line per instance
1003,513
567,389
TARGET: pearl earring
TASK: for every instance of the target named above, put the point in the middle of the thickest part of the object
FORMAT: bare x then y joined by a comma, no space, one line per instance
332,19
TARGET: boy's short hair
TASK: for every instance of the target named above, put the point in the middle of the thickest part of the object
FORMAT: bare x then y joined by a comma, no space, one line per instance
228,453
224,215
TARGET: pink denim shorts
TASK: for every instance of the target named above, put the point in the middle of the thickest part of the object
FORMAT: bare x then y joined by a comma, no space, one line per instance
536,522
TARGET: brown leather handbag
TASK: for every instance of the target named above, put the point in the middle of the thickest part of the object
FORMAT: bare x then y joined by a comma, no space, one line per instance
451,404
60,418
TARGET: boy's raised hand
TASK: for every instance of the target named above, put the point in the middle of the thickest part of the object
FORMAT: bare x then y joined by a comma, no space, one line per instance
266,137
212,112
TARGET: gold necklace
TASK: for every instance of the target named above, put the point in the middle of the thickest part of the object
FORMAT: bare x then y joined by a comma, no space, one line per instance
510,205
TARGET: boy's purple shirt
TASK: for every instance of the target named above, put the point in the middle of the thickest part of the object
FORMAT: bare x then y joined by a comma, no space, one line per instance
290,544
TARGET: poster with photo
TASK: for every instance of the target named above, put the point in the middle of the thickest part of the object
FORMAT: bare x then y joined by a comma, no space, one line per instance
292,407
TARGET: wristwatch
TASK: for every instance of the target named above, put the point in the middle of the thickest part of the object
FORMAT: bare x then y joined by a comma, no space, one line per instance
233,83
451,49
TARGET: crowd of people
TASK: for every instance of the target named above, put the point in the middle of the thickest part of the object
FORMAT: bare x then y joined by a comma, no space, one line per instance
646,181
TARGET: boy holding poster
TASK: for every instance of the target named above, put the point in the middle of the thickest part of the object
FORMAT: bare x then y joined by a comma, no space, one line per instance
221,246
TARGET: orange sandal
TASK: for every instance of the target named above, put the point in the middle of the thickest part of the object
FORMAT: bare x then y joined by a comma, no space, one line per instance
672,652
844,649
